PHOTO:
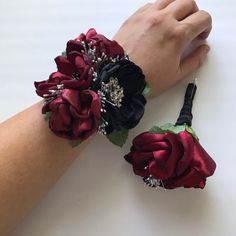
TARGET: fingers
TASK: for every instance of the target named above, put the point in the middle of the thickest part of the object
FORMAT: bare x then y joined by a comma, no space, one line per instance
204,35
180,9
197,24
193,61
161,4
144,8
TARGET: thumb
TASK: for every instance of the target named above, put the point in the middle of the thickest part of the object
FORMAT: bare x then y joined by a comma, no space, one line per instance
193,61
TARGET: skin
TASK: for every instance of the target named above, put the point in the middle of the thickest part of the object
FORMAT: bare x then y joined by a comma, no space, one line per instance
32,158
160,32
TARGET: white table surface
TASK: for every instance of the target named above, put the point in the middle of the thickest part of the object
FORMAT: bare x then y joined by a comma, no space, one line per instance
99,194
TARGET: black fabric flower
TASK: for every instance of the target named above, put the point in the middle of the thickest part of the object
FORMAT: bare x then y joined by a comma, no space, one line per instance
131,78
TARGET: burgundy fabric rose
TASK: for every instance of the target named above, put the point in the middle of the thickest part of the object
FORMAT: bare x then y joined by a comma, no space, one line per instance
100,44
75,114
81,52
43,87
58,81
178,160
76,69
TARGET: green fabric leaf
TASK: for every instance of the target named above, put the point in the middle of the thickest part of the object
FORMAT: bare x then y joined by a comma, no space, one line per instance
147,91
47,115
177,129
174,129
63,53
156,130
118,137
75,143
192,131
167,126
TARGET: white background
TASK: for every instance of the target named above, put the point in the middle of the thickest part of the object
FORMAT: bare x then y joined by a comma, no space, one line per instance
99,194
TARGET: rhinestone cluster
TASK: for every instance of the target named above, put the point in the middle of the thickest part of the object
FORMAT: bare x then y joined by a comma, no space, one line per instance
90,52
113,94
53,93
110,92
153,182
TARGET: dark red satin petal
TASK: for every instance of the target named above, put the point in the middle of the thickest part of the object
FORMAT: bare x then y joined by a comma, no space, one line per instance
139,169
191,179
45,86
81,111
188,144
37,84
153,146
96,103
165,162
77,59
91,33
72,97
84,82
100,38
100,48
129,157
84,128
146,138
200,159
81,126
79,62
81,37
86,76
53,105
161,156
75,84
65,115
75,113
64,66
74,45
141,157
114,49
57,77
157,167
60,119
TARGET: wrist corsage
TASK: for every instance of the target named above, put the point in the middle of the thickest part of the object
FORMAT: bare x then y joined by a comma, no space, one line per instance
96,89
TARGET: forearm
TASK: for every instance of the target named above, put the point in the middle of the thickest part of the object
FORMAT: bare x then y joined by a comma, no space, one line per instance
32,159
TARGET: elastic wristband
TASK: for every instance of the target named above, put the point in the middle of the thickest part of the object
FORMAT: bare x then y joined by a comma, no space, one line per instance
96,89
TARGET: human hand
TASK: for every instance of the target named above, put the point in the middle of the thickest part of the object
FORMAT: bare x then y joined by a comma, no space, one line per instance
156,36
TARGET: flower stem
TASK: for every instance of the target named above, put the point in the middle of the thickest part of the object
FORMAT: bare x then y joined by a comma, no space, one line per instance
185,116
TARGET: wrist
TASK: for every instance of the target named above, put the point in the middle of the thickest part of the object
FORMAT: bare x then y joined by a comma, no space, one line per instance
138,60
